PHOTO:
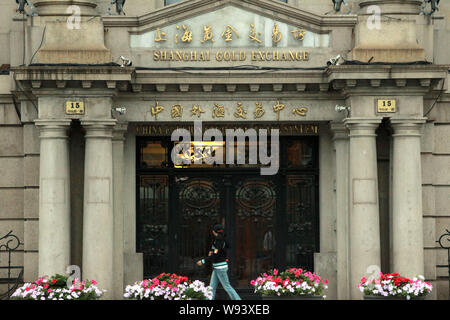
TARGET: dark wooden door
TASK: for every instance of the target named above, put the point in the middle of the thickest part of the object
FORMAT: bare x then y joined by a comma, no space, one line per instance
270,221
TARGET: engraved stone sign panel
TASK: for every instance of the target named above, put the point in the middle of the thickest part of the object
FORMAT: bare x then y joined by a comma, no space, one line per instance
229,27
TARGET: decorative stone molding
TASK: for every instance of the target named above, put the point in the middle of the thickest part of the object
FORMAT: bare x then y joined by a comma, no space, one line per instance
99,128
207,87
362,127
111,84
280,12
419,78
231,87
119,131
53,128
61,84
184,87
407,127
254,87
59,7
161,87
136,87
339,130
392,6
278,87
344,78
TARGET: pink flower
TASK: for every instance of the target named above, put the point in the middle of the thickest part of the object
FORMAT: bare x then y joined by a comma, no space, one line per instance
275,272
94,282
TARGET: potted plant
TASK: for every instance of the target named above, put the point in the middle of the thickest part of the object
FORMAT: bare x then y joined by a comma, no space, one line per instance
394,287
167,286
292,284
57,288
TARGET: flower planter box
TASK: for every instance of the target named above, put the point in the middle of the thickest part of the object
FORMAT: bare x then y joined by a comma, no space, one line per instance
391,298
291,284
392,286
168,286
292,297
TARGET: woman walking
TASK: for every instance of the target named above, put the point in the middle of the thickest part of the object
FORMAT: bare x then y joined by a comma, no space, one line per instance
218,257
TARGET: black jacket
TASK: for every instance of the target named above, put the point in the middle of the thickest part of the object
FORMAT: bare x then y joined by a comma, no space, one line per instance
219,249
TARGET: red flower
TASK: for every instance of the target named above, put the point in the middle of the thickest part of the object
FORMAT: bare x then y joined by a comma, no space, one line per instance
54,281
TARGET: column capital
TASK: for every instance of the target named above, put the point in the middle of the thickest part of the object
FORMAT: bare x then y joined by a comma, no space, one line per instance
53,128
119,131
362,127
407,126
99,128
339,130
52,122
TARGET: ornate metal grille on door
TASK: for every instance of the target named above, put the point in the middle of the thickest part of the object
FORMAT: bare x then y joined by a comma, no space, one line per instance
271,221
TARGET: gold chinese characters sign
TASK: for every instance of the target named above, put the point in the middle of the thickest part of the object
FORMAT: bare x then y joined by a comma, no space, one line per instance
228,34
285,129
238,110
184,34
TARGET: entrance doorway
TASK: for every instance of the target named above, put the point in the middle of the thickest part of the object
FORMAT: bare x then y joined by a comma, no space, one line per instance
270,221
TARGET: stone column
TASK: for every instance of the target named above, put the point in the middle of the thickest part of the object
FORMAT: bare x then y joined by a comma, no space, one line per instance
364,209
341,145
118,173
98,219
54,197
407,216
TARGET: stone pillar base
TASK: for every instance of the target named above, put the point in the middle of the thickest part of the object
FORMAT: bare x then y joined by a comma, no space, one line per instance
133,268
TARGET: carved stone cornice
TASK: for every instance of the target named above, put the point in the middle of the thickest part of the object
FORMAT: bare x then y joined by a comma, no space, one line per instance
186,9
73,76
411,79
392,6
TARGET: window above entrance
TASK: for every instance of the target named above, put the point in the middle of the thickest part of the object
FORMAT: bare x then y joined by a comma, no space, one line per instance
296,153
153,154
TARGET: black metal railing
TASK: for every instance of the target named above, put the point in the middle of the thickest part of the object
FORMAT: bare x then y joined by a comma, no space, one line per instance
10,243
445,238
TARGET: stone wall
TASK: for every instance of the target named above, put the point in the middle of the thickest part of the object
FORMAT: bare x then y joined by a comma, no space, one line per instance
19,180
436,191
19,145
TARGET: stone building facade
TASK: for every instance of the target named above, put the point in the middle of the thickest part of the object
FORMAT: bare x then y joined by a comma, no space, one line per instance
368,189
